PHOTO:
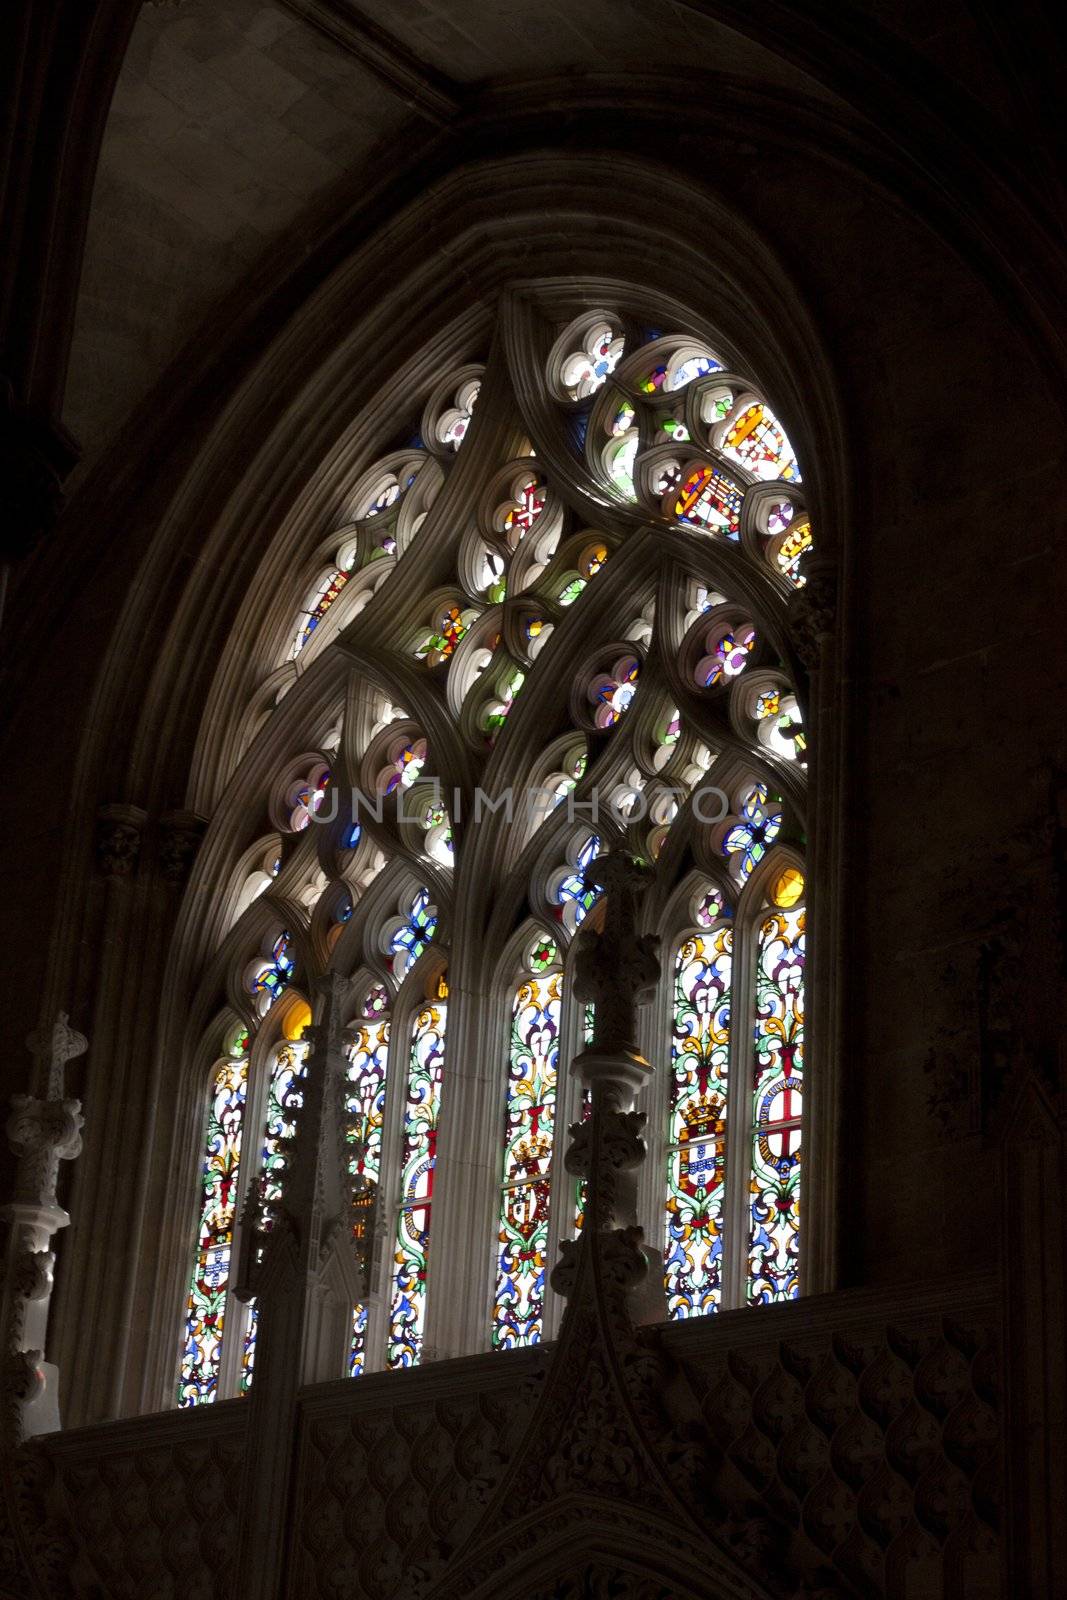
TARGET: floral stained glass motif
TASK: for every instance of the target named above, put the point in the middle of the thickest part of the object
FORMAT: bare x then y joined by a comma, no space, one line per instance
205,1308
574,896
584,371
496,713
407,760
273,978
709,499
529,1117
779,724
729,657
774,1185
747,842
368,1062
525,510
307,799
439,645
612,691
700,1053
453,424
407,1309
411,939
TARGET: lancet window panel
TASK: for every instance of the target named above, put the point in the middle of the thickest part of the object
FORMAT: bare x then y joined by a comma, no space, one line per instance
251,1095
573,644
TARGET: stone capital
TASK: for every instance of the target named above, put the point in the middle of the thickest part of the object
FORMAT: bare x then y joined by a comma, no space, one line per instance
180,833
119,831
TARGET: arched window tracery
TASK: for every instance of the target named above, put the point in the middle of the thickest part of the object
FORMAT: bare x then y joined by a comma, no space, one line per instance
575,643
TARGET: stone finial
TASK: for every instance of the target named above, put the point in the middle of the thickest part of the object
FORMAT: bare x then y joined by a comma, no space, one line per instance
51,1051
316,1208
119,829
617,968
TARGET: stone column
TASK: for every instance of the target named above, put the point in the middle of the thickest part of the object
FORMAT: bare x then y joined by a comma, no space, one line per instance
617,970
298,1259
43,1129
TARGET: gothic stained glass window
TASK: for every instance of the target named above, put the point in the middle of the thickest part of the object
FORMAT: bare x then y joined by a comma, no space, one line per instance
407,1307
777,1089
529,1120
368,1058
518,633
205,1313
700,1065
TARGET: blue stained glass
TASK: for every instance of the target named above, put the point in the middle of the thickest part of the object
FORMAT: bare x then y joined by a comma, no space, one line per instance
577,428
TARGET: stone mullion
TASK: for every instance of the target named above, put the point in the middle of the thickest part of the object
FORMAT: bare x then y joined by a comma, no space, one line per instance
253,1133
466,1177
739,1109
654,1023
568,1111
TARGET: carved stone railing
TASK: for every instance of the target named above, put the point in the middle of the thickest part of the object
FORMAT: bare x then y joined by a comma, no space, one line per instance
847,1445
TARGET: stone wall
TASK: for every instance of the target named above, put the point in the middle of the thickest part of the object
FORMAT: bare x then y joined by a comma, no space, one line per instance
849,1445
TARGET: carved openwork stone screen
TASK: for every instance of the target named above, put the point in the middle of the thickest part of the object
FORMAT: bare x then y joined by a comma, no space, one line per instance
553,615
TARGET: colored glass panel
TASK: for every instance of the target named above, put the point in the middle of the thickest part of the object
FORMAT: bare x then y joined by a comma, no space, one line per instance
409,941
584,371
408,763
700,1053
206,1305
275,975
357,1356
760,824
407,1310
529,1118
368,1065
525,510
498,710
791,549
613,691
451,629
332,588
728,659
756,441
694,367
574,896
710,499
620,463
774,1183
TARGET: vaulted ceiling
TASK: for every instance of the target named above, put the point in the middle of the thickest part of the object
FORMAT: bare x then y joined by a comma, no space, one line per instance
240,129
